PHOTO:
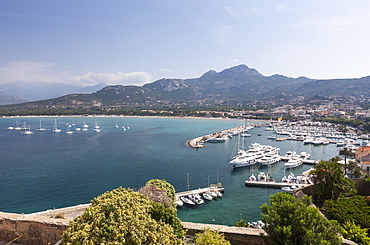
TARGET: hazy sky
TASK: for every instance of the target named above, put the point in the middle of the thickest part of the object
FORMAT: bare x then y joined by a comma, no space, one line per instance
136,41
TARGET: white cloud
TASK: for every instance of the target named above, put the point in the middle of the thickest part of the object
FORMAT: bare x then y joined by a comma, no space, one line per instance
133,78
37,72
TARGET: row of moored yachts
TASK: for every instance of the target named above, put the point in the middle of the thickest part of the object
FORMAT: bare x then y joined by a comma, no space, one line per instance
267,155
197,199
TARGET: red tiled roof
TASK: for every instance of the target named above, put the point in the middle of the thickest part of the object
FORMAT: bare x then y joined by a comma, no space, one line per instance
363,148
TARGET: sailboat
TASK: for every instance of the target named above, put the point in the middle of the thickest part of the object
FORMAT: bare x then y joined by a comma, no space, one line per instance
17,126
96,127
40,128
55,128
26,131
69,131
85,126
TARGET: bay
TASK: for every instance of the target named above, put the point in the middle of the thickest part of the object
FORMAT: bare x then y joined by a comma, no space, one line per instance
52,170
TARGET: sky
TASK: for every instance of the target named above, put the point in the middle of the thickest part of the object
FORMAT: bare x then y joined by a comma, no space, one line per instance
136,42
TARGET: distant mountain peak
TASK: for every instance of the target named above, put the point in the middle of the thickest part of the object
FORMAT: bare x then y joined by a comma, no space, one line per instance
240,71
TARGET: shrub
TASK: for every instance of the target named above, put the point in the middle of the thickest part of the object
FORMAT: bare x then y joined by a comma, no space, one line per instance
210,237
349,209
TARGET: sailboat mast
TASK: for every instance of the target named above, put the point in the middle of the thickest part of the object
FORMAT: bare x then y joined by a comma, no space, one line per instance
188,181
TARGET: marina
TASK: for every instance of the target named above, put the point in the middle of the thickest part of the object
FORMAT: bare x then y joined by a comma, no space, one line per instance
46,170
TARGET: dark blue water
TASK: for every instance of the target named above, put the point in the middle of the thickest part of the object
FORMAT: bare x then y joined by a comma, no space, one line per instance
47,170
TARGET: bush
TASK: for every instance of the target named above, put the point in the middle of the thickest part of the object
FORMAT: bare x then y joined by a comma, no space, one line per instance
120,216
349,209
353,232
210,237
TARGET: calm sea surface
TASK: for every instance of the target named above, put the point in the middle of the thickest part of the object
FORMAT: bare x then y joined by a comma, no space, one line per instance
47,170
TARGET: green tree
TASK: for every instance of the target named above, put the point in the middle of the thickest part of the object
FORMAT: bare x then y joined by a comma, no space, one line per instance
330,183
120,216
210,237
293,221
353,232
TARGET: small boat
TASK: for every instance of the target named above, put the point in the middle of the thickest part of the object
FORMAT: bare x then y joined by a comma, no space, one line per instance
287,189
215,140
10,128
196,198
179,203
207,196
17,127
96,127
68,131
245,135
78,129
218,194
212,194
187,201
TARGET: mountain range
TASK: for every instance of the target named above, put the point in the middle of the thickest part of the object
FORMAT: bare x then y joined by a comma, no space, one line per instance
23,92
237,85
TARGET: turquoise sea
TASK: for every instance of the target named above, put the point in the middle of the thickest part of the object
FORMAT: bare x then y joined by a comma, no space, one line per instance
52,170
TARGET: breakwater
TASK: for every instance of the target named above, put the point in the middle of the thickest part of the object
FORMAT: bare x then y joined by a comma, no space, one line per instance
198,141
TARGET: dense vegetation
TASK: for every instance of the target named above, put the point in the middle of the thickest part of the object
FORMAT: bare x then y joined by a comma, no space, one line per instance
293,221
353,209
122,216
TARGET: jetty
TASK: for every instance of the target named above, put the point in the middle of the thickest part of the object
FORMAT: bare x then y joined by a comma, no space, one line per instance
272,184
212,187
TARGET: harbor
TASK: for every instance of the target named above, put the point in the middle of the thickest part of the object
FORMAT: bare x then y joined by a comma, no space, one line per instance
153,148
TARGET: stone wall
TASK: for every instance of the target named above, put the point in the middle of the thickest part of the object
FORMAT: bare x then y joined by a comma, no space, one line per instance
236,235
32,230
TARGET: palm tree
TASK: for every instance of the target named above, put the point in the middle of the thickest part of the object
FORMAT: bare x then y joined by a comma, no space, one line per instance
346,153
330,182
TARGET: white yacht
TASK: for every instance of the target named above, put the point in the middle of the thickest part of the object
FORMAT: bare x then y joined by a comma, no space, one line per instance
294,162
